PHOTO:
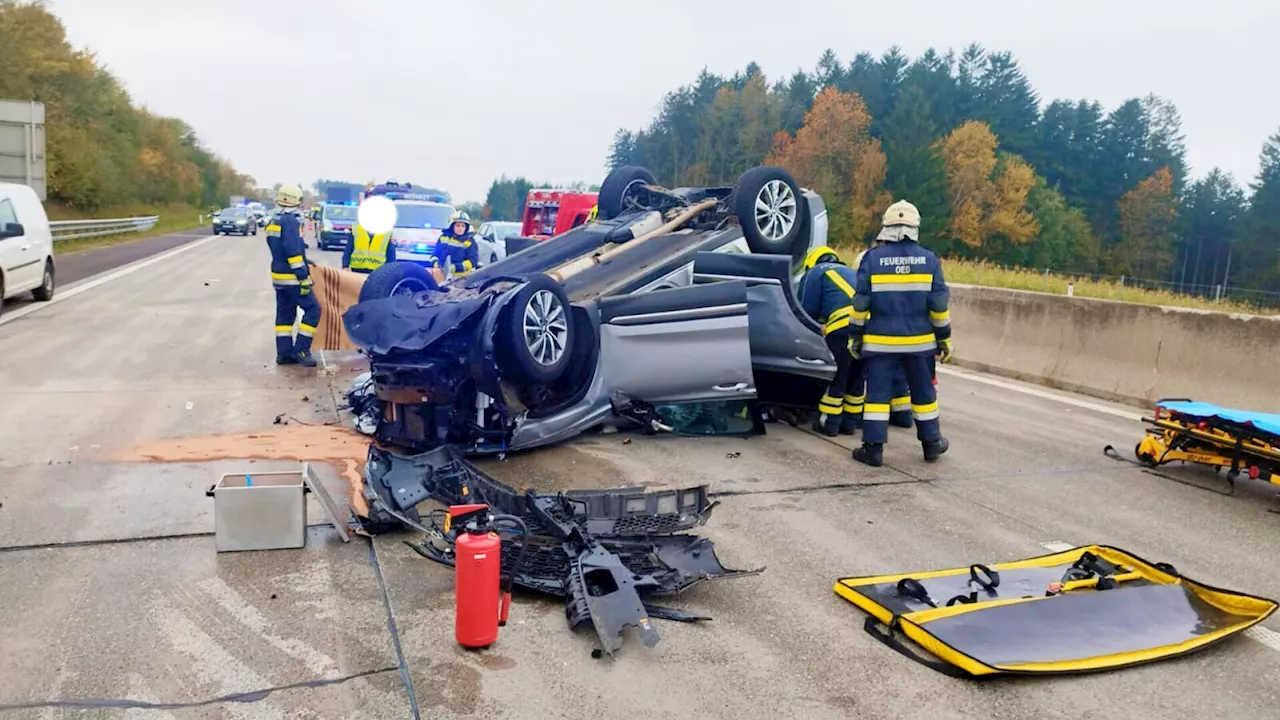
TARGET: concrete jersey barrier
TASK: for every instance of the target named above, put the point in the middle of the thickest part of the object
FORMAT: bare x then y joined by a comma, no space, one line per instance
1119,351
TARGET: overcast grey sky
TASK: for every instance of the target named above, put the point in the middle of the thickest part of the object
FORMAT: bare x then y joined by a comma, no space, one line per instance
454,94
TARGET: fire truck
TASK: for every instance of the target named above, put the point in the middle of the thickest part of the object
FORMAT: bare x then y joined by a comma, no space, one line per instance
549,212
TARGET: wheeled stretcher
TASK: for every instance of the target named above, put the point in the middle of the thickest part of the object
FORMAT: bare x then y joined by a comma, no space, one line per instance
1241,441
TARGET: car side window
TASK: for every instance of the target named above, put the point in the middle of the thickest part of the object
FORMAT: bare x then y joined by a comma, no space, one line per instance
7,214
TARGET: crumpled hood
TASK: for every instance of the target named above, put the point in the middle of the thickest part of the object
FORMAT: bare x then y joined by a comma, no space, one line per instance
411,323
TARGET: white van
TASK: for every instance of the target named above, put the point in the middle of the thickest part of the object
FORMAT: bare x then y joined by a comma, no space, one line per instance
26,244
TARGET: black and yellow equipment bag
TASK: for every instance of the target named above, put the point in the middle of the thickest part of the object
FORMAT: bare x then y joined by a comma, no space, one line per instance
1087,609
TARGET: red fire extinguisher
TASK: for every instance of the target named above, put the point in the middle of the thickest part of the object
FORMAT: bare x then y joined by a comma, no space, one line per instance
482,591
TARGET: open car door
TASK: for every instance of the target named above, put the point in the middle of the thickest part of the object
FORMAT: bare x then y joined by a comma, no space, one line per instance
789,356
689,344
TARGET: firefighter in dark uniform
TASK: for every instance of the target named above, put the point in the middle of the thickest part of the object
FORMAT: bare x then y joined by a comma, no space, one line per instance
826,293
900,319
292,280
456,251
900,404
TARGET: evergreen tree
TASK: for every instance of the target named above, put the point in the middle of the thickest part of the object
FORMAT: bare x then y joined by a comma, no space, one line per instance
1210,215
1259,263
915,170
1007,103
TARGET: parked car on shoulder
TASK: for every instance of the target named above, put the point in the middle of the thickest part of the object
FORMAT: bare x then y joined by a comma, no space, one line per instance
238,220
26,245
670,296
492,240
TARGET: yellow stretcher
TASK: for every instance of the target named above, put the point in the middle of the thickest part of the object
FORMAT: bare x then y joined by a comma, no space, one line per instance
1087,609
1241,441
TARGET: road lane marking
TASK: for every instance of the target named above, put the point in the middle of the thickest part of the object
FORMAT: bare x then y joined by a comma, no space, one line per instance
1057,547
101,280
1037,392
1266,636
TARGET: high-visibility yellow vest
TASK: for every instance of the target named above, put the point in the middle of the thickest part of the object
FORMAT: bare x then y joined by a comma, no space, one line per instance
368,253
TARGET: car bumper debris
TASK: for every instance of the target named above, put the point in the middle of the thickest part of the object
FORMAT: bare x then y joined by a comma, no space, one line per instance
608,553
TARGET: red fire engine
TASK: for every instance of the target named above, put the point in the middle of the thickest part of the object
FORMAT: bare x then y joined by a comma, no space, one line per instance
549,212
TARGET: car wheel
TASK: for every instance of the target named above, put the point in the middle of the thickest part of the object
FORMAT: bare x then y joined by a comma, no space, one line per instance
536,333
215,231
493,258
397,278
617,186
768,204
44,293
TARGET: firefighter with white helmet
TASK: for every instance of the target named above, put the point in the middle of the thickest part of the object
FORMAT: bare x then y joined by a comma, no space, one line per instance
900,319
456,251
826,294
292,280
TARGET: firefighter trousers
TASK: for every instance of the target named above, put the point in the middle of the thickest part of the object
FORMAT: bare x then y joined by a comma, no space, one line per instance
848,379
288,301
917,368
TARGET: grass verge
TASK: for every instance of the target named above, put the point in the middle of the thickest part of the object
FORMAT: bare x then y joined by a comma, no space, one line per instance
173,218
976,273
968,272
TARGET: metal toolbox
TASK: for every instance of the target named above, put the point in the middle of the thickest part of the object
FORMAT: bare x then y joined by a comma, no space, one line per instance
266,511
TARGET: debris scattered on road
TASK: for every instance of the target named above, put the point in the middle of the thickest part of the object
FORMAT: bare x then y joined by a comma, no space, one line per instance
732,455
190,405
608,553
280,420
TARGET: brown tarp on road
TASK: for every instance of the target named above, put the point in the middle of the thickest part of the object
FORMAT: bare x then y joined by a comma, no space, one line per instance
337,290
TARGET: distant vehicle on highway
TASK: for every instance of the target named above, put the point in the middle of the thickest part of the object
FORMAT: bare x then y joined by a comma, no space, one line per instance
235,220
259,212
26,244
492,240
337,222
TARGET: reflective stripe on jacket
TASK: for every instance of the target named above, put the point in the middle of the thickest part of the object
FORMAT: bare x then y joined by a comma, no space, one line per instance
901,303
368,253
826,293
288,256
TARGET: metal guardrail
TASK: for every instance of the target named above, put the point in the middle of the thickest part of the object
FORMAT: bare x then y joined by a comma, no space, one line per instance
73,229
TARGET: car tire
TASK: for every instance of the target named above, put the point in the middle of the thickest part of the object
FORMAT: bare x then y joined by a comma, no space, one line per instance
617,186
535,334
44,293
215,232
769,206
396,278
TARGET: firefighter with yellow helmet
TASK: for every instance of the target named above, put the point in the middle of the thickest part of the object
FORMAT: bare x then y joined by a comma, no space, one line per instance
292,280
901,319
456,251
826,294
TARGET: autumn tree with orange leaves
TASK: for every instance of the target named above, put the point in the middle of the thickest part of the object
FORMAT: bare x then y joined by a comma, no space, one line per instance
834,153
988,196
1148,227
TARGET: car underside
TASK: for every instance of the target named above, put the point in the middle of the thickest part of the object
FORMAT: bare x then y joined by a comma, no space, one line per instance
669,298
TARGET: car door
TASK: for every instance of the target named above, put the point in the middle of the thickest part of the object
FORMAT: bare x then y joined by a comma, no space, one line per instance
21,261
688,344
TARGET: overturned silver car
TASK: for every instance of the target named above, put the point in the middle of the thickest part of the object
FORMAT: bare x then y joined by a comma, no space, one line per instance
672,296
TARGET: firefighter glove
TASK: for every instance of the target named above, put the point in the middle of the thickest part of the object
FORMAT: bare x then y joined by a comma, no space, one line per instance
944,351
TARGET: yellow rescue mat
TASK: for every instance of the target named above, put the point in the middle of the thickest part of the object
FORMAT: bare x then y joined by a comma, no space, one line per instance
1087,609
